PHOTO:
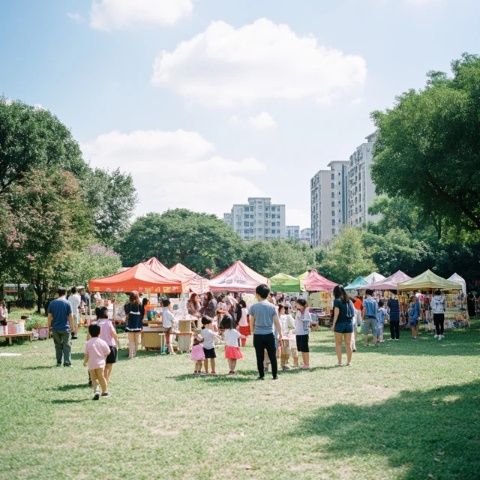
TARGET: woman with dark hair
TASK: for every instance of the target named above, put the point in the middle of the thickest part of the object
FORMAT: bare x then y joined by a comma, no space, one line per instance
242,321
209,306
343,314
134,316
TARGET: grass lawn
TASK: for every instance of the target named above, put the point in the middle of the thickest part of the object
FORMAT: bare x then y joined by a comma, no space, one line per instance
404,410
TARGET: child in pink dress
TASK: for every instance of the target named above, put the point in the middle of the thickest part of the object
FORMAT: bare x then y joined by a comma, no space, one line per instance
198,355
96,352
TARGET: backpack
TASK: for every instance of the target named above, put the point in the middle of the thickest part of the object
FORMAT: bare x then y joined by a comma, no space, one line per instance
350,310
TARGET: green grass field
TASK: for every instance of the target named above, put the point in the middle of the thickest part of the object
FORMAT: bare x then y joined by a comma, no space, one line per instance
404,410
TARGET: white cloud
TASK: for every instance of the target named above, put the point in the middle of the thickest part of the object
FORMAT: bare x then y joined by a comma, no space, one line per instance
76,17
118,14
262,121
226,66
422,3
176,169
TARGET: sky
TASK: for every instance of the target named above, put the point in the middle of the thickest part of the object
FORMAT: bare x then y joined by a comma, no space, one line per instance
208,102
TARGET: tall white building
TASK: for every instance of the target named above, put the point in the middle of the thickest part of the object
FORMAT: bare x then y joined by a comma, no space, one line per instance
361,190
293,232
328,201
257,220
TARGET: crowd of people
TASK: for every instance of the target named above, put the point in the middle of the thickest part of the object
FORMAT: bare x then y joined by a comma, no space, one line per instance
280,326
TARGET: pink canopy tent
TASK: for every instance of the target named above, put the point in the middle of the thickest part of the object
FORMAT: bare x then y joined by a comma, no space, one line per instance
159,268
316,283
391,282
195,282
237,278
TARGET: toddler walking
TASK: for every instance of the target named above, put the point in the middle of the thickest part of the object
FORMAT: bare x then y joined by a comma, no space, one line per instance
209,337
96,352
198,355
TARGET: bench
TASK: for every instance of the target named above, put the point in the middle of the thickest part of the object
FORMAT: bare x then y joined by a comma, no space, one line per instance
11,336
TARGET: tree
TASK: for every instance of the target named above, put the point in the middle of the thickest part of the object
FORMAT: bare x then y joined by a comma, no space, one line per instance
197,240
278,256
44,219
94,261
31,138
428,146
111,198
346,257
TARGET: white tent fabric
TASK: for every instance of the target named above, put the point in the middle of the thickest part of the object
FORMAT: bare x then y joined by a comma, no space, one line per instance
374,277
458,279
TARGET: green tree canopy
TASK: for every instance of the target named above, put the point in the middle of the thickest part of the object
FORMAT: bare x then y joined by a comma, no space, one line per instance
428,146
197,240
112,198
278,256
347,257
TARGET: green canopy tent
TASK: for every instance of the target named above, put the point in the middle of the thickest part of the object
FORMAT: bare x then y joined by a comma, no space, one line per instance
281,282
357,284
302,279
429,281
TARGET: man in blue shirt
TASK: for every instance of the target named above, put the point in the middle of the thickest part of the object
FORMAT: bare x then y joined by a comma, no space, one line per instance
370,310
60,320
263,317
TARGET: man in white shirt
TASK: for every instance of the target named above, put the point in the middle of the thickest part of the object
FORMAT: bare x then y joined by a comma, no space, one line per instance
75,300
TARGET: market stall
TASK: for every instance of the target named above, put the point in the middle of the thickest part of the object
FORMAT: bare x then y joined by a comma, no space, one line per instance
194,282
320,296
159,268
373,278
458,279
302,279
357,284
237,278
281,282
391,282
456,315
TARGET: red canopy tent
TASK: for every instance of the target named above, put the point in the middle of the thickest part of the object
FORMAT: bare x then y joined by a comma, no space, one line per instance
237,278
195,282
138,278
316,283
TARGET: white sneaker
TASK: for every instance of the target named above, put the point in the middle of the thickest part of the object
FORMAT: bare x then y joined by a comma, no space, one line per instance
436,336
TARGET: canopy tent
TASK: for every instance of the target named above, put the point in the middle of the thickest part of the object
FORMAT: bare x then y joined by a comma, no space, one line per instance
155,265
458,279
429,281
374,277
237,278
302,279
195,282
139,278
281,282
316,283
357,284
391,282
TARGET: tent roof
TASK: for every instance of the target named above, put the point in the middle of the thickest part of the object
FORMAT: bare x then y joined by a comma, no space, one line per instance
316,283
139,278
458,279
281,282
374,277
359,282
155,265
193,281
391,282
428,280
237,278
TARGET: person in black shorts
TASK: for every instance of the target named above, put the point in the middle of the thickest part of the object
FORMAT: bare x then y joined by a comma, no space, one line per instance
343,315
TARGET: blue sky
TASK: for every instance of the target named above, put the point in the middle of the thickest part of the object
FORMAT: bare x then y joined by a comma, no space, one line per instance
248,97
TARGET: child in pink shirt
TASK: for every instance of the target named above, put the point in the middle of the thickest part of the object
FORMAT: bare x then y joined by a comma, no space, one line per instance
96,352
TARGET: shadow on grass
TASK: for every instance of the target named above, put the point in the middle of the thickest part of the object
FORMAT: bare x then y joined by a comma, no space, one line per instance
40,367
432,434
123,354
66,401
68,387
